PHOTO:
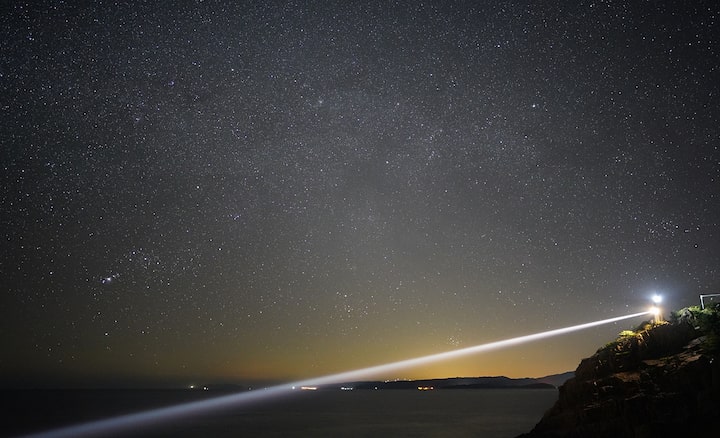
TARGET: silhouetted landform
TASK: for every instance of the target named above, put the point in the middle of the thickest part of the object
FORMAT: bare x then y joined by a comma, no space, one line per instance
537,385
659,380
498,382
557,380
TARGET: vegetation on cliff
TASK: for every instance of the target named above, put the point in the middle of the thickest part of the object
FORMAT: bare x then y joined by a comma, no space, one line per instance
659,379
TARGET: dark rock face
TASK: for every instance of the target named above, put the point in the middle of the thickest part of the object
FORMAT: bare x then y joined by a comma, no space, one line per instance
659,382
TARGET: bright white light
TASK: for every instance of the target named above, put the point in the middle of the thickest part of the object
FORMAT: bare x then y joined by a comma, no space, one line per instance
153,417
655,310
657,299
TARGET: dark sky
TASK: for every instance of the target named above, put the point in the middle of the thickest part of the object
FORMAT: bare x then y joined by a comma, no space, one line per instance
230,191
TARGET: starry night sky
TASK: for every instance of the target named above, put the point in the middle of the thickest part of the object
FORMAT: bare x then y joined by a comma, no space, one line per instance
238,191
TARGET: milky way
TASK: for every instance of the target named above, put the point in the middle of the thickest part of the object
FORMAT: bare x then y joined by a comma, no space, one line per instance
233,191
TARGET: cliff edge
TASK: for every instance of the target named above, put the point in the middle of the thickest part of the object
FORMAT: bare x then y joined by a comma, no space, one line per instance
658,380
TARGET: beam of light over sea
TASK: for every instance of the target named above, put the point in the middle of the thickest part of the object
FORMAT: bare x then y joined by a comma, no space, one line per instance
152,417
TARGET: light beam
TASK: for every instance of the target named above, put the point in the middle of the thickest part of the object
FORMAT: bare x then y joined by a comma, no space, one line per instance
153,417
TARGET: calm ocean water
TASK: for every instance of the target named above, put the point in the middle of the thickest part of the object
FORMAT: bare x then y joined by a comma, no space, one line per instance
495,413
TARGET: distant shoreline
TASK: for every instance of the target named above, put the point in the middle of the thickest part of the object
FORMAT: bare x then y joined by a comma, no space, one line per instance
487,382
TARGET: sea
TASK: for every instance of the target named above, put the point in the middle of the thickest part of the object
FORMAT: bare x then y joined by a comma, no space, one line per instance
486,413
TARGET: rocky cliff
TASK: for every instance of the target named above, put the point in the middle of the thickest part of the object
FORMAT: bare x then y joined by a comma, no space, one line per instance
659,380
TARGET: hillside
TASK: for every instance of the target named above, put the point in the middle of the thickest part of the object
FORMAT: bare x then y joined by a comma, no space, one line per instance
494,382
658,380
